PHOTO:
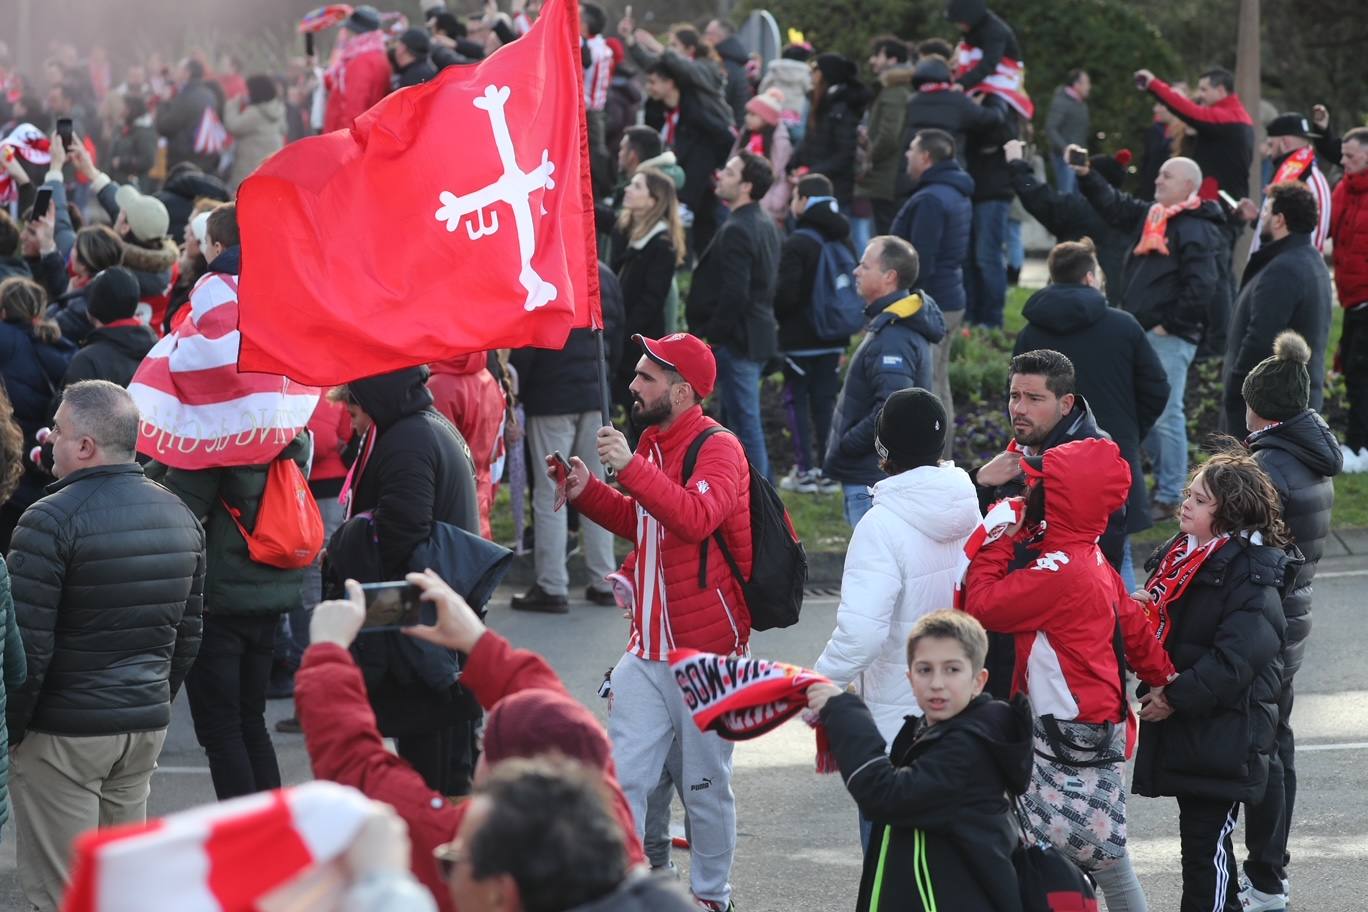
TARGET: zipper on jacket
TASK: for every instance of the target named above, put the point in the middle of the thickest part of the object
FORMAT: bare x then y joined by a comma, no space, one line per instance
736,634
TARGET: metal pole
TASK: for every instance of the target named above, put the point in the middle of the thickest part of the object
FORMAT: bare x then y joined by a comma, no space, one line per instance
605,399
1248,82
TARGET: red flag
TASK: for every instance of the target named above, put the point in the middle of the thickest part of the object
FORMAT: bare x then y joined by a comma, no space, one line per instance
454,216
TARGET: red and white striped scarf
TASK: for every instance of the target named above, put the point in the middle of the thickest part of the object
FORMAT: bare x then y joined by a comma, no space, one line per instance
226,857
365,43
651,638
211,137
1171,578
1000,517
1154,239
1007,81
599,74
28,143
198,411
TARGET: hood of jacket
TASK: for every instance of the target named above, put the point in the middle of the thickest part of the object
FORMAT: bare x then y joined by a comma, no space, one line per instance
855,95
1006,728
950,174
897,75
1210,210
132,341
916,309
1086,481
388,397
641,892
144,259
1306,438
829,222
192,185
1261,258
970,12
792,73
732,50
938,501
461,365
229,262
1065,309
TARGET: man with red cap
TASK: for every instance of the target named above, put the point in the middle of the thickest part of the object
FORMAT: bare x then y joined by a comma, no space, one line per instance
677,588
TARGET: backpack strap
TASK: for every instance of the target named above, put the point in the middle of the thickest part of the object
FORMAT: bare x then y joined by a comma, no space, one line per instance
690,460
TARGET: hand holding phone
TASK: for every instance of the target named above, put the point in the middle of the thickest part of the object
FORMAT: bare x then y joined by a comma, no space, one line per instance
41,202
1077,156
64,132
392,605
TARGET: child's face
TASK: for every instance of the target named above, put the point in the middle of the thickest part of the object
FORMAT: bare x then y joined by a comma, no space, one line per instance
1198,510
753,122
943,679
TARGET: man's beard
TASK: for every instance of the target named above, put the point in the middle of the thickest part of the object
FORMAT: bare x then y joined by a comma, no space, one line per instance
1032,436
644,415
1265,238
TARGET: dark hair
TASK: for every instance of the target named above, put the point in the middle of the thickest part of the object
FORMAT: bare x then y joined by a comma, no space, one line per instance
11,448
813,184
447,23
645,141
959,626
135,106
1295,202
1358,135
98,248
1055,367
595,19
901,257
260,88
9,235
688,36
892,47
659,67
1070,261
938,144
194,68
549,828
726,25
1220,77
24,301
1074,75
222,226
756,171
1246,500
935,47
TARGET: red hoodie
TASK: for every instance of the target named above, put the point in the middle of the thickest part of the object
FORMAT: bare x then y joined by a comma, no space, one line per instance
1063,608
345,745
466,392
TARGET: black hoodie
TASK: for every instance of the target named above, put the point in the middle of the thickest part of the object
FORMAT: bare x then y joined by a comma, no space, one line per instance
798,260
939,799
738,88
1302,457
111,353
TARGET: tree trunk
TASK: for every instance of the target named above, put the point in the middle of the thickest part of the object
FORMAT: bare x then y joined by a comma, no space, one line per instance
1248,82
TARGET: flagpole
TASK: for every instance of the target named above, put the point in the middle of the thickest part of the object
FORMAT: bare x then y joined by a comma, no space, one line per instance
605,400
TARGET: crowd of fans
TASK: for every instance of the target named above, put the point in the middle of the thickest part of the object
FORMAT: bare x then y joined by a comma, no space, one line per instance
807,209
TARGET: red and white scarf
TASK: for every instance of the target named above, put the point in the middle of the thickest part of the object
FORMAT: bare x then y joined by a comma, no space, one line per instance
28,143
742,699
1000,517
1154,239
1008,81
366,43
1295,165
1171,578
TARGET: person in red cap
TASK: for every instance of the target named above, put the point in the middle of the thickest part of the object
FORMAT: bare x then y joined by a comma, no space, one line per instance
678,593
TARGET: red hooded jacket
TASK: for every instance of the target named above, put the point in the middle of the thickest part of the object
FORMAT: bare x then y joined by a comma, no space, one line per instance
466,392
345,745
1063,608
1349,228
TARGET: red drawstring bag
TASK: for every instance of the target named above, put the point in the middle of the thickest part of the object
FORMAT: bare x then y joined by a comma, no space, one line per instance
289,528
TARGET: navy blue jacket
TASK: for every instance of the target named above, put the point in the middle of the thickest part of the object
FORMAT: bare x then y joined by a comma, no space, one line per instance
31,372
937,219
896,353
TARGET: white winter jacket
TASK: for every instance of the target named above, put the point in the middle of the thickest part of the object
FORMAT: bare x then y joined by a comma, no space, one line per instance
900,565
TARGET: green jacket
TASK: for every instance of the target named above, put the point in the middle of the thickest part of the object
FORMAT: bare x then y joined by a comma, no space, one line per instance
234,583
15,670
885,156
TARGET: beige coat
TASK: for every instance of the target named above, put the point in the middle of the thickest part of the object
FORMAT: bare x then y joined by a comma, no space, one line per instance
258,132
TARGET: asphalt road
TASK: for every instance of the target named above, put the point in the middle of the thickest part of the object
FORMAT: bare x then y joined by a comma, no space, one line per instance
797,845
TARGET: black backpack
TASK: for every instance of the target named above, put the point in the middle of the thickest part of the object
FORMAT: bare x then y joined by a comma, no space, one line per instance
774,593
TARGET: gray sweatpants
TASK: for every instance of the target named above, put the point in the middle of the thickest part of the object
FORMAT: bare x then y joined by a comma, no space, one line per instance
646,715
657,840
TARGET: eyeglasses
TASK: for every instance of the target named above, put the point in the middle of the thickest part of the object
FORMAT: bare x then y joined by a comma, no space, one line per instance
448,859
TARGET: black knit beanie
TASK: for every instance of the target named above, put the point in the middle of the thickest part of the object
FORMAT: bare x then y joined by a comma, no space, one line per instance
1279,388
112,295
912,429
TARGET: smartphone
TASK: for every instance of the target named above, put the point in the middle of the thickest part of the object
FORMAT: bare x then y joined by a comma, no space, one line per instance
1078,157
64,131
41,202
390,606
1228,201
560,460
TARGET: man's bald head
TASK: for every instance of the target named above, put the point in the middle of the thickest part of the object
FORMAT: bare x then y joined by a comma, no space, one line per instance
1178,179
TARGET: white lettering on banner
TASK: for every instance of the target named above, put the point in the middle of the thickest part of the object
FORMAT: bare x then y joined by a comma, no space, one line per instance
515,187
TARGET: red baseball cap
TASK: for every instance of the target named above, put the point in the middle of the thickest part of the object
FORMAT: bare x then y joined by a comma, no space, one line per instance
686,355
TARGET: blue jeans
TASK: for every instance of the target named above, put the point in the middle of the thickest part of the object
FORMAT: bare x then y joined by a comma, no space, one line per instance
857,502
987,285
1016,252
738,383
1127,566
1167,443
1066,181
861,230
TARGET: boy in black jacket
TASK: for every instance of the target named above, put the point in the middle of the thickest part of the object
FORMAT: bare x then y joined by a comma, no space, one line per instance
943,835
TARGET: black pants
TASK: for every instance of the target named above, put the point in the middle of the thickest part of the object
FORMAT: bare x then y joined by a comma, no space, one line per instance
1001,664
811,383
227,692
885,211
1354,362
1210,881
1267,823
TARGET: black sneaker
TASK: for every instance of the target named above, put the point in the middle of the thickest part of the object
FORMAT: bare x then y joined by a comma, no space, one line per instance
538,599
289,726
603,597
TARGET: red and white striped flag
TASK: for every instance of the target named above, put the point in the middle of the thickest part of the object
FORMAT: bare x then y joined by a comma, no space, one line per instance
1000,517
200,412
211,137
225,857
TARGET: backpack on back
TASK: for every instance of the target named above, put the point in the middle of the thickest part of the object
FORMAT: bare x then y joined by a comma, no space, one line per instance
837,308
774,593
289,528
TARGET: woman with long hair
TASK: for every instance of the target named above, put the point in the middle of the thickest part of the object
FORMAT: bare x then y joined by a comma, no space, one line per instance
838,101
648,248
1207,737
257,122
765,134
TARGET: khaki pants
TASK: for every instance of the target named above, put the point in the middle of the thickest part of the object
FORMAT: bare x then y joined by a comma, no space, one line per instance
63,786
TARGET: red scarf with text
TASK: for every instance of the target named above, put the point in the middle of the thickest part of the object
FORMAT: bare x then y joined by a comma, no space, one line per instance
1155,239
1295,165
1171,578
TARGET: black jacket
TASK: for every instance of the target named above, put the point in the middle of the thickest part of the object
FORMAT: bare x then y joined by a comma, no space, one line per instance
738,88
416,73
1069,217
645,275
731,301
828,145
983,154
30,372
566,382
108,581
179,119
954,112
1301,456
897,352
1285,286
1226,641
1181,292
938,219
986,32
798,259
179,193
703,137
1117,371
938,801
642,892
111,353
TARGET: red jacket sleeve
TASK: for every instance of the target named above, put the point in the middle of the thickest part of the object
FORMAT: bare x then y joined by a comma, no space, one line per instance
696,510
1143,650
1010,602
495,669
344,746
611,509
1194,114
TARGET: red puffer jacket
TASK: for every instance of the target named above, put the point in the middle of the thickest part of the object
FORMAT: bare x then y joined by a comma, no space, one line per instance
1349,228
669,520
1063,608
466,392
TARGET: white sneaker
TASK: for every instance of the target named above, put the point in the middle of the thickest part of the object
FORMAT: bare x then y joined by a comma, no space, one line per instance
794,478
1354,462
1252,900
